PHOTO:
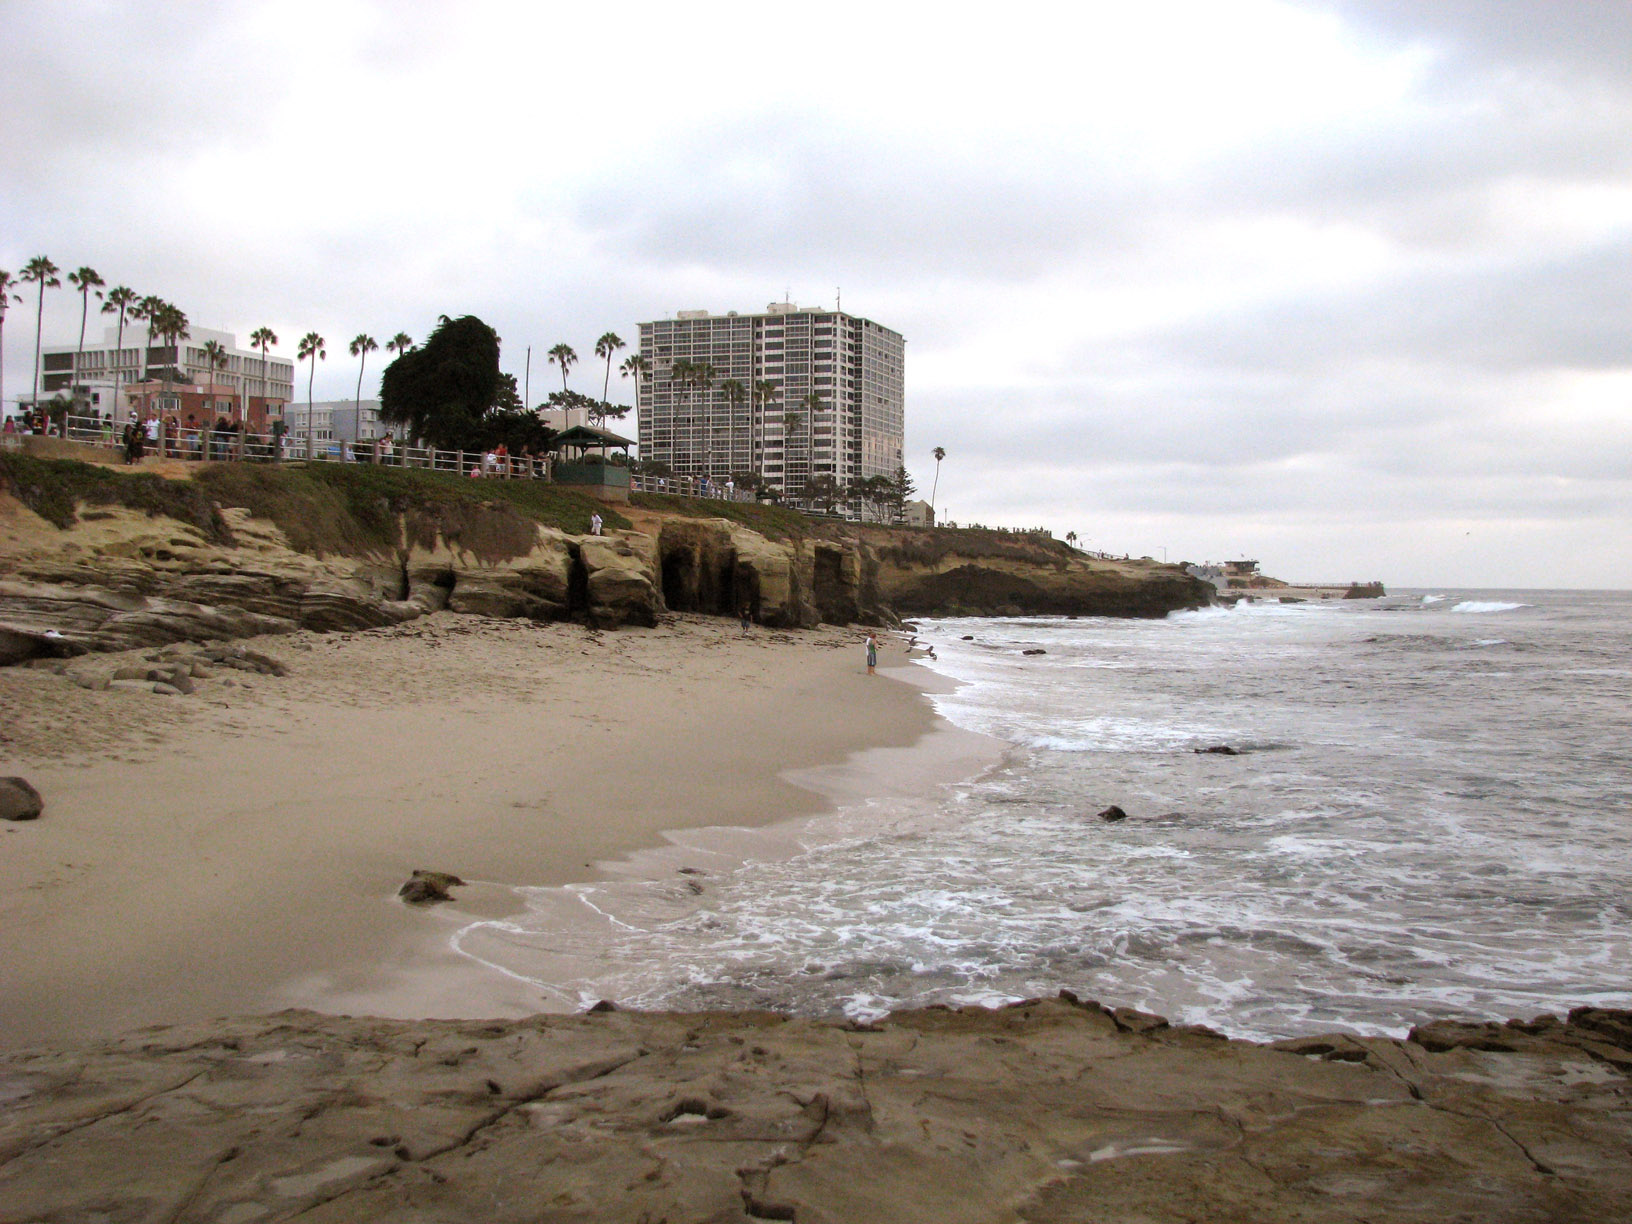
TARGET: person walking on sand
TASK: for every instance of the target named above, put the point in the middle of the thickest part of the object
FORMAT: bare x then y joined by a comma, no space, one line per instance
747,619
872,652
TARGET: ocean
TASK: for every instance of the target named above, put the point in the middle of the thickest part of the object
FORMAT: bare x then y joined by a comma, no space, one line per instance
1428,814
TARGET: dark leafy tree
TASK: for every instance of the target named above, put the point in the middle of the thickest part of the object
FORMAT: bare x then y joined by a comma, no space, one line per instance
901,490
575,401
822,492
441,391
512,426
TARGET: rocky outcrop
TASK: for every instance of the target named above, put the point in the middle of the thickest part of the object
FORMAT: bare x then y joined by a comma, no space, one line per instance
1043,1111
121,579
988,573
619,586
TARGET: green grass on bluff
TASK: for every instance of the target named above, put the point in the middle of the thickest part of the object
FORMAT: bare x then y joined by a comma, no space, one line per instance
323,509
772,522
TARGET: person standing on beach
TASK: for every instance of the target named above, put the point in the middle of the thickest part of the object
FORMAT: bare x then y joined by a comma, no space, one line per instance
747,619
872,652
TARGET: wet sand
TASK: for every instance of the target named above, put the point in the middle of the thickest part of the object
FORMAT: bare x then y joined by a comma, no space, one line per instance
239,850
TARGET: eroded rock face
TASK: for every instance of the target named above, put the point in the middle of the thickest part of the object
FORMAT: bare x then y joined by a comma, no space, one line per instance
619,580
1043,1111
120,581
949,574
769,582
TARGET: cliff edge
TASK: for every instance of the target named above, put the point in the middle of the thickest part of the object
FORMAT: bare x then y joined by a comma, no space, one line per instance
95,558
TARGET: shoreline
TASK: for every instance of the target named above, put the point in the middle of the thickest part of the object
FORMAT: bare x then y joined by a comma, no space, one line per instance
563,931
239,850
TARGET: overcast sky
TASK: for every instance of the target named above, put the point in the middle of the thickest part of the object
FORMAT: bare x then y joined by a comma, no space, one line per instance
1342,285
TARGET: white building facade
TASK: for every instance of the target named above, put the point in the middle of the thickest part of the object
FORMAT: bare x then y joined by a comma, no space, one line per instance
853,367
260,385
338,420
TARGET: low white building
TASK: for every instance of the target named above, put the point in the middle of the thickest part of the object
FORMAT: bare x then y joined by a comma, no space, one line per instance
258,386
338,420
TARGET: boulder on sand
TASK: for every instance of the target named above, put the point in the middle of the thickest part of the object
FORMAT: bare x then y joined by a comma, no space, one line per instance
19,800
427,886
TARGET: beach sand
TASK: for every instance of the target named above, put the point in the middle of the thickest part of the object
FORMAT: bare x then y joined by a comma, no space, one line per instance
239,850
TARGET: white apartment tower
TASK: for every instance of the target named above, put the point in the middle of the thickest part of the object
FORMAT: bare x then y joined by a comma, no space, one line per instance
753,411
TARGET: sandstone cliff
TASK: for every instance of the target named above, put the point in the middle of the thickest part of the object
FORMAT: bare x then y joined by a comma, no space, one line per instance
1044,1111
97,559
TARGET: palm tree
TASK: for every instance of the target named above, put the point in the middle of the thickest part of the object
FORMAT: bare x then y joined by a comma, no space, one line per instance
812,404
87,282
702,379
399,343
638,368
563,356
215,358
736,394
764,392
263,338
605,347
7,297
144,311
170,323
1071,538
791,417
680,376
361,347
940,453
120,300
313,348
43,272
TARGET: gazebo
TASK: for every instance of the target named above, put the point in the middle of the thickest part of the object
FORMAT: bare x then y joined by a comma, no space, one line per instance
581,460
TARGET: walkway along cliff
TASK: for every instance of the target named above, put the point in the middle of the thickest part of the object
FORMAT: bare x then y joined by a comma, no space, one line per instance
93,558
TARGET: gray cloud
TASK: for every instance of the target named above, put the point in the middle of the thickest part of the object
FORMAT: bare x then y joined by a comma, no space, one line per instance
1346,340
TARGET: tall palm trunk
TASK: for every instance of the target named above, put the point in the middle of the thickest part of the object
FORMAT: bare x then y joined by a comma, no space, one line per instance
39,318
357,400
118,355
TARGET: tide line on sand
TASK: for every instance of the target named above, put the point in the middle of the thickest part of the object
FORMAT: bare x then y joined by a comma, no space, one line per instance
239,850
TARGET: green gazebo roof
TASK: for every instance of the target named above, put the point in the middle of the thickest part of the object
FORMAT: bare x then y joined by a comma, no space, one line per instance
584,437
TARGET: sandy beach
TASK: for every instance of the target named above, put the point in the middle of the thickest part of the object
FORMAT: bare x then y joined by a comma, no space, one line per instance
239,850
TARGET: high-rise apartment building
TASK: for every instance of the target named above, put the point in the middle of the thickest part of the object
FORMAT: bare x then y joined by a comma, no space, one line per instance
789,395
